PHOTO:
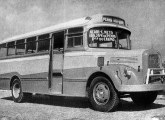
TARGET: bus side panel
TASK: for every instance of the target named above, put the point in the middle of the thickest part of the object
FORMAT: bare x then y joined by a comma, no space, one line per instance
57,76
78,69
32,71
5,80
74,88
75,77
5,83
33,86
75,81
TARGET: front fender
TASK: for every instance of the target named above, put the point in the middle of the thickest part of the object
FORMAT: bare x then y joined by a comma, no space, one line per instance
118,76
113,72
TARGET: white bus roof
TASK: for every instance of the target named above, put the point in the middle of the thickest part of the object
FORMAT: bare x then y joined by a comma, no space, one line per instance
74,23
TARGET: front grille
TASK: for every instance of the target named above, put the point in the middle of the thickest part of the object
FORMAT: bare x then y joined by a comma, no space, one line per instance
153,61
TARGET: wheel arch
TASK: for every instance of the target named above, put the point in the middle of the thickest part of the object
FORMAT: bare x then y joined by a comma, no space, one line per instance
96,74
12,79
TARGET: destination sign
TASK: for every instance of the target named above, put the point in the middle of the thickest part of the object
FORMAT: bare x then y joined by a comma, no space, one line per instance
113,20
102,35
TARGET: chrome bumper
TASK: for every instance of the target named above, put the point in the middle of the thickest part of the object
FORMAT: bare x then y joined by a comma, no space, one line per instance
148,86
156,72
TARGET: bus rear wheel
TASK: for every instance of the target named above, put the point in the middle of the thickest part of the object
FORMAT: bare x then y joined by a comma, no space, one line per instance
144,99
17,94
102,95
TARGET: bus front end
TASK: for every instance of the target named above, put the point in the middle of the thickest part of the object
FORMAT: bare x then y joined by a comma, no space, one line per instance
138,73
141,72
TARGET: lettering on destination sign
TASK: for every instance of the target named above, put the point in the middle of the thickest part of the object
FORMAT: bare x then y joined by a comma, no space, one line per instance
113,20
102,35
106,19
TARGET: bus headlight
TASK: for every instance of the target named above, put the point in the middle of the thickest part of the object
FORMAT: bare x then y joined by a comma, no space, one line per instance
127,72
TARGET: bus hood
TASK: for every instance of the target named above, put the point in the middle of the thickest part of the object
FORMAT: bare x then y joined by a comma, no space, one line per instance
132,58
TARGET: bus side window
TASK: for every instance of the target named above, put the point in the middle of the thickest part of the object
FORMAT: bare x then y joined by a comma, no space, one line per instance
11,48
3,50
58,41
75,37
20,47
31,45
43,43
70,42
75,41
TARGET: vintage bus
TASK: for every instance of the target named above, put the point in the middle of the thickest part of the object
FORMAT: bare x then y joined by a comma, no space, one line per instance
87,57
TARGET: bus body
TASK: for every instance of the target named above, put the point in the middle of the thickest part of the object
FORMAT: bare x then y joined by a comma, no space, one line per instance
88,57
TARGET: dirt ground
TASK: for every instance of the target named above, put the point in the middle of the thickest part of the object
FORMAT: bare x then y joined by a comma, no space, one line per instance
64,108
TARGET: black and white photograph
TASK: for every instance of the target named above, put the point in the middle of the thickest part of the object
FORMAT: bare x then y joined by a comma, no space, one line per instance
82,60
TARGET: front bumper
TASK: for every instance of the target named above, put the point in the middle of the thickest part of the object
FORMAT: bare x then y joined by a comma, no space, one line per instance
141,88
150,84
155,72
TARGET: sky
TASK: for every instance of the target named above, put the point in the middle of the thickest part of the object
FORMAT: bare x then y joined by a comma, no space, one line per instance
145,18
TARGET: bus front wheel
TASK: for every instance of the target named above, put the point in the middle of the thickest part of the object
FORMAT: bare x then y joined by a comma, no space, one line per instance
102,95
17,94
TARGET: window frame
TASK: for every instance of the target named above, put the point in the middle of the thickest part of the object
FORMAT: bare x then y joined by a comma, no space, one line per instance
73,35
8,47
44,39
23,43
53,41
26,44
5,54
74,39
37,40
128,38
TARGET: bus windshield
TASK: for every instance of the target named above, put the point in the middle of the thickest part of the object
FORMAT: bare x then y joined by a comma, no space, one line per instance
108,37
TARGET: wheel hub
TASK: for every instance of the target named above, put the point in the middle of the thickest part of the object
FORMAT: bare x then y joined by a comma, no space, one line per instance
16,90
101,93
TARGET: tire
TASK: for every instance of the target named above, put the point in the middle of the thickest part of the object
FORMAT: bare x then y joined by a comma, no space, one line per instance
144,99
102,95
17,94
